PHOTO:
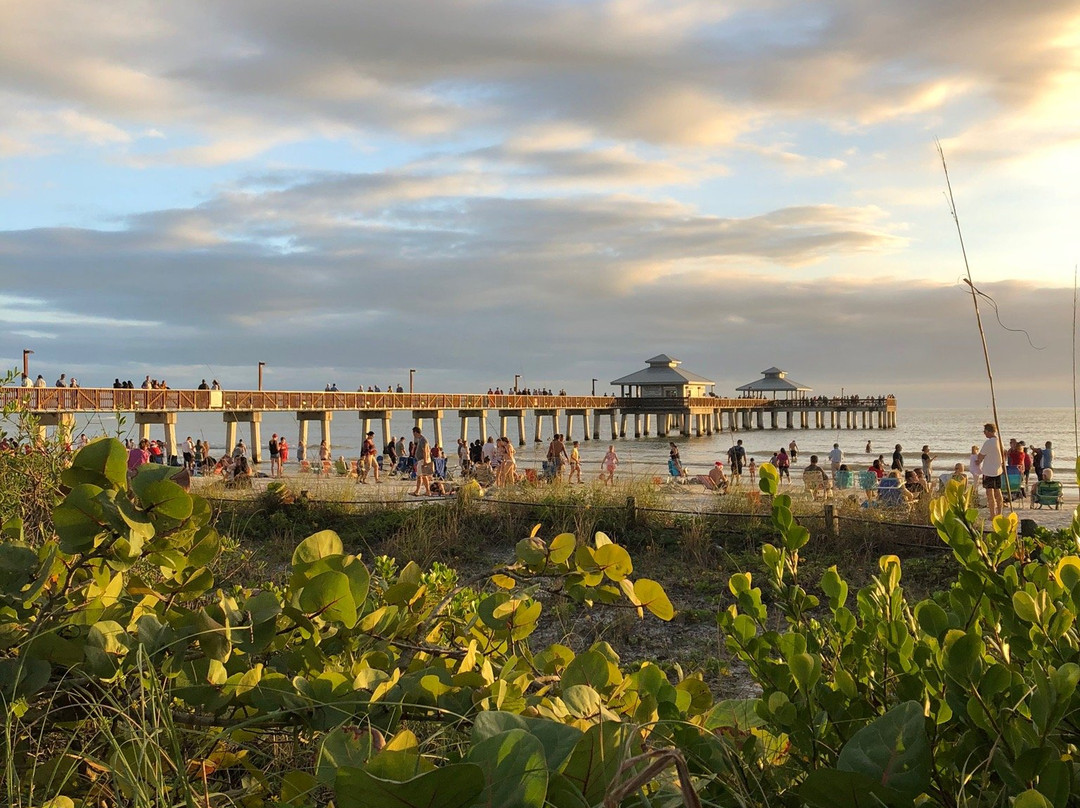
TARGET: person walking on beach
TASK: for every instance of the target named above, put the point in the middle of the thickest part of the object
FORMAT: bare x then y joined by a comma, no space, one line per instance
898,458
189,454
575,463
1048,456
836,457
608,465
275,456
367,460
751,468
992,465
283,455
783,464
557,456
425,467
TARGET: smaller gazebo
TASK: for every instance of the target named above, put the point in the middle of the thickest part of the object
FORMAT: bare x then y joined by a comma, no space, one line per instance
663,378
775,381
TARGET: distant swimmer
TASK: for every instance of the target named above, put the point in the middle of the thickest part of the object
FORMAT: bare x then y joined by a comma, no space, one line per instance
869,448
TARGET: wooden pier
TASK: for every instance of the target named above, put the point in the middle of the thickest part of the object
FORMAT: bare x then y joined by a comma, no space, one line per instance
700,415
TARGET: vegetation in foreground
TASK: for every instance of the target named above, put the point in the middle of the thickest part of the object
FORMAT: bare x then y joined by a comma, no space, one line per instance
131,676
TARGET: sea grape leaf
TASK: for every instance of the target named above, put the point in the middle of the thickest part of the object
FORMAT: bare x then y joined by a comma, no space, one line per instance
515,770
557,739
78,519
317,546
829,788
892,750
653,598
562,547
329,595
101,462
614,561
598,756
454,786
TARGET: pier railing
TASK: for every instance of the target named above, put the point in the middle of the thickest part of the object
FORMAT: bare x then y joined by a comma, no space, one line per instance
88,399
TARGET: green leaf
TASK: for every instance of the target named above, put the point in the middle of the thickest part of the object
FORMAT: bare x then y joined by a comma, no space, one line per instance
962,654
557,739
340,748
317,546
829,788
834,587
588,668
1032,798
893,751
166,498
582,701
614,561
598,756
515,769
1025,607
78,519
653,598
805,670
454,786
329,596
102,463
532,551
562,547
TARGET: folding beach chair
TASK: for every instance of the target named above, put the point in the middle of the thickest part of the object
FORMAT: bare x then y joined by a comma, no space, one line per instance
1048,494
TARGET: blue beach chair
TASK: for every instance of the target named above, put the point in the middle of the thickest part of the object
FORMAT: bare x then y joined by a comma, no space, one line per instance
890,494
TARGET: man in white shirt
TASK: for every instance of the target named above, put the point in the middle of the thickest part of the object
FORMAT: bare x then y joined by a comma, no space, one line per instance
993,467
836,457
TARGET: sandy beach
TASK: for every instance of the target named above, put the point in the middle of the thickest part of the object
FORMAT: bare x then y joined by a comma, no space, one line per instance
689,498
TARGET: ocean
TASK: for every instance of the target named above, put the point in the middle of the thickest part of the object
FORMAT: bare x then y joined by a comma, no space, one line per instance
950,433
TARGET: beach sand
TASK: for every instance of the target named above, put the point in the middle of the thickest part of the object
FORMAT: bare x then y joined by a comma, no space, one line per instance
688,498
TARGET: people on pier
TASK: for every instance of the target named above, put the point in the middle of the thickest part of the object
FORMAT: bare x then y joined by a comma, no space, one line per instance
203,385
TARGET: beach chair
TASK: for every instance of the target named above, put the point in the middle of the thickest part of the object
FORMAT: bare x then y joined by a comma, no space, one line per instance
890,494
868,483
845,479
1047,493
816,485
440,468
1014,491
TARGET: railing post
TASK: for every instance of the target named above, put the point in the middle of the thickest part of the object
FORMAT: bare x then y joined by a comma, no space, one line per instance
832,525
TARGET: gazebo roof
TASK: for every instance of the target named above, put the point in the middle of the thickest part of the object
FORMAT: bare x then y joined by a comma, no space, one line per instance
661,370
775,381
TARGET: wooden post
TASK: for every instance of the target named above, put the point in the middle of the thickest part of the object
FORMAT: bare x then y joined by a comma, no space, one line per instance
832,525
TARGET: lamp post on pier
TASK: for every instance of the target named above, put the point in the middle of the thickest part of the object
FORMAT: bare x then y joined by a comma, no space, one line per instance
412,372
261,366
594,387
26,363
517,376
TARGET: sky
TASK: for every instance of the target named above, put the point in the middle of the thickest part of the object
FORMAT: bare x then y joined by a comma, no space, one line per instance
555,189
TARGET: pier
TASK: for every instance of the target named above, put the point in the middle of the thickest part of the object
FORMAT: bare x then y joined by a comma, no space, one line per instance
583,416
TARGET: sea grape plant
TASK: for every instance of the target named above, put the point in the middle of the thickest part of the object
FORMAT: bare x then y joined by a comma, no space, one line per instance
968,697
123,601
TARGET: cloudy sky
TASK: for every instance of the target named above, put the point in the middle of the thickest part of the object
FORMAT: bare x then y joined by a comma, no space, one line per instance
553,188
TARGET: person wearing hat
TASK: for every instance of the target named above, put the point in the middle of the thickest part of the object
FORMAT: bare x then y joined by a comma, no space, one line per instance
367,460
716,479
